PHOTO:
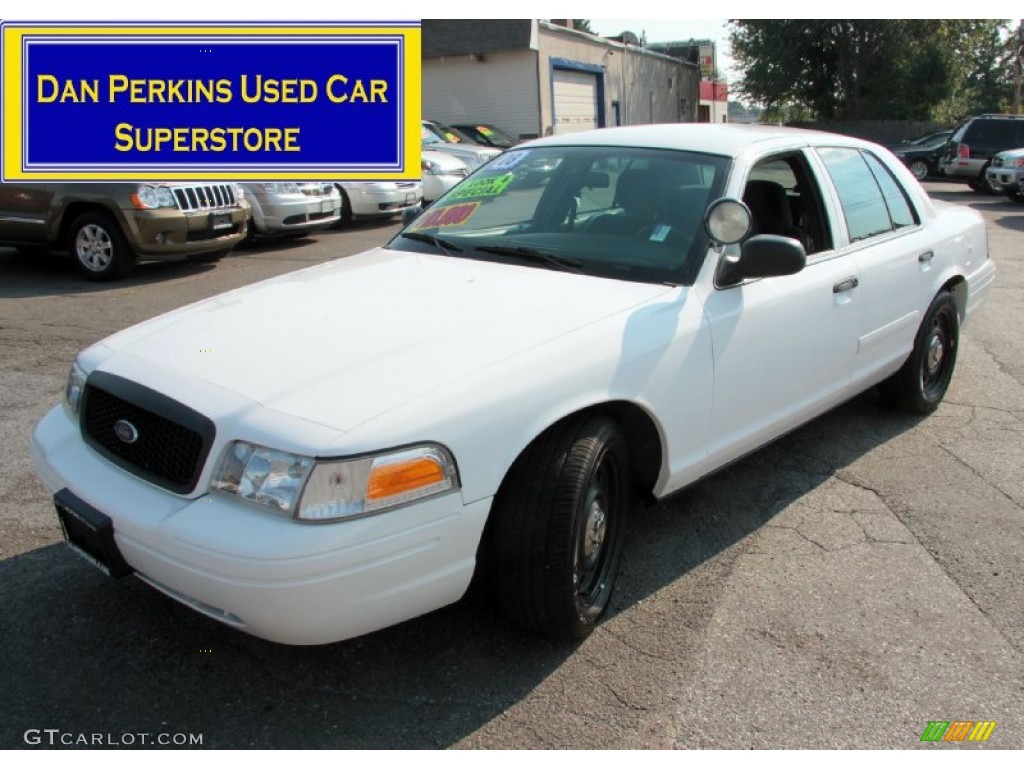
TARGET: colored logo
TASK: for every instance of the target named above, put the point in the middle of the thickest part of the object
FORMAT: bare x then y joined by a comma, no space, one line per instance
958,730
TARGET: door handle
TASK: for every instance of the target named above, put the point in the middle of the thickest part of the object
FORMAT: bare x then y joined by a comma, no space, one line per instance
925,257
845,285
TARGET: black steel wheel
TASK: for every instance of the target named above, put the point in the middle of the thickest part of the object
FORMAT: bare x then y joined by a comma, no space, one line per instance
920,385
556,537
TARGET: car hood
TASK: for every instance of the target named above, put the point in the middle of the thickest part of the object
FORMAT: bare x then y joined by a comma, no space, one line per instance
446,161
343,342
472,156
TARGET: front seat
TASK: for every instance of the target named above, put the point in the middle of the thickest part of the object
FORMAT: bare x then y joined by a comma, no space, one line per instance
770,209
637,193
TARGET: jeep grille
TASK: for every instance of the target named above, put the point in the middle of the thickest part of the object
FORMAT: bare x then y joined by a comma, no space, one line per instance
205,197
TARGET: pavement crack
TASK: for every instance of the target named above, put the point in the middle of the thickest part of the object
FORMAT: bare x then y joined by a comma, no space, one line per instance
981,477
606,631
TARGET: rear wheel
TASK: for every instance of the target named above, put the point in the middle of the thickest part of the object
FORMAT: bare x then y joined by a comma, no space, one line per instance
920,169
559,526
981,183
99,248
920,385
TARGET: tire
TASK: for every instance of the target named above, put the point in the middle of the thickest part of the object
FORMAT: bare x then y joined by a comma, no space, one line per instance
981,183
920,385
920,169
558,528
1014,195
346,211
99,248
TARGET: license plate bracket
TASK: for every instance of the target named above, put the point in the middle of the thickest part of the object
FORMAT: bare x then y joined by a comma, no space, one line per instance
220,221
90,533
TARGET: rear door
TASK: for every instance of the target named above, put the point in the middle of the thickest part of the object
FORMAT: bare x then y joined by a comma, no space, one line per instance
24,210
884,237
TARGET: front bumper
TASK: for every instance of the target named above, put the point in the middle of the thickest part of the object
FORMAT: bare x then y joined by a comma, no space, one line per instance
1005,179
171,232
369,201
294,212
265,573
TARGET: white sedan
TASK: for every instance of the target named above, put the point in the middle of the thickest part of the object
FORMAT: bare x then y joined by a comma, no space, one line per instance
588,323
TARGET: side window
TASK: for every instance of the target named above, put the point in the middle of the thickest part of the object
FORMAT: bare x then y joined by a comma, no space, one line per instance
784,199
863,204
900,211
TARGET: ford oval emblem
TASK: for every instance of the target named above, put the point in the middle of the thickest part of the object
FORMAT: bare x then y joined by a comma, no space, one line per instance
126,432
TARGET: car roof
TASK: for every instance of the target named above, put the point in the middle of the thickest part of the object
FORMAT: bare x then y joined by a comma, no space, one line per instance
720,139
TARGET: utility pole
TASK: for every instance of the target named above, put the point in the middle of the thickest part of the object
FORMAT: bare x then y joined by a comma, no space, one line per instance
1017,63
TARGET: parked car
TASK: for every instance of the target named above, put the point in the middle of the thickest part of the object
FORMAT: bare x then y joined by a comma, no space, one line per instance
487,135
342,448
107,226
922,155
928,138
473,155
441,172
282,208
377,199
1006,172
973,144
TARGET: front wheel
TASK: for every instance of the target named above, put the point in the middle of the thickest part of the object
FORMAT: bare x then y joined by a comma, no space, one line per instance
1014,195
920,385
920,169
99,248
559,526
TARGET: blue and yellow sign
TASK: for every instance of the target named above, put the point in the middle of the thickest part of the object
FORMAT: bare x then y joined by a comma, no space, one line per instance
210,102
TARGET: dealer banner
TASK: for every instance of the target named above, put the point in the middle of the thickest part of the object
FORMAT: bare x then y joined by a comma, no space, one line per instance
204,102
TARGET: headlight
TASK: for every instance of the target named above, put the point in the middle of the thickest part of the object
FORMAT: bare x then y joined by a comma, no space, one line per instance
321,491
150,196
73,389
431,168
262,475
239,192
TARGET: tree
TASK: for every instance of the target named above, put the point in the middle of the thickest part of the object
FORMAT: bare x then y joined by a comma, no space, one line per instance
852,69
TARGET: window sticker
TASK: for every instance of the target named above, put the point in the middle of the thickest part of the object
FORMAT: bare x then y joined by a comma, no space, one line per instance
509,160
484,130
489,187
660,233
448,216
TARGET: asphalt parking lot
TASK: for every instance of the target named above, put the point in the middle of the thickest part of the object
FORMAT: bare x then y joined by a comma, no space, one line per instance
838,589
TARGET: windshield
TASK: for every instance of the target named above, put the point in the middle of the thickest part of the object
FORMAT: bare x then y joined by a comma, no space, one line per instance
628,213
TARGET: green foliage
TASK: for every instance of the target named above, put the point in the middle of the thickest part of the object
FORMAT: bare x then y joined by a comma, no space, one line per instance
851,69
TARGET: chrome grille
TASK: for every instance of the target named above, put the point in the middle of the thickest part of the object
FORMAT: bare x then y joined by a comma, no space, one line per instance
315,190
204,197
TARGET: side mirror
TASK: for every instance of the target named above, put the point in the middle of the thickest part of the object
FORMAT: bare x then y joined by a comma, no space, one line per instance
763,256
409,215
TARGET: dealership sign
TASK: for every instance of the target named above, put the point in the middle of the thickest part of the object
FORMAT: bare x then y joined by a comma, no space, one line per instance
207,101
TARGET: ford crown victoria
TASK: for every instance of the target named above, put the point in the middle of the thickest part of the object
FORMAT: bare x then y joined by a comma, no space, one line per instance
530,360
